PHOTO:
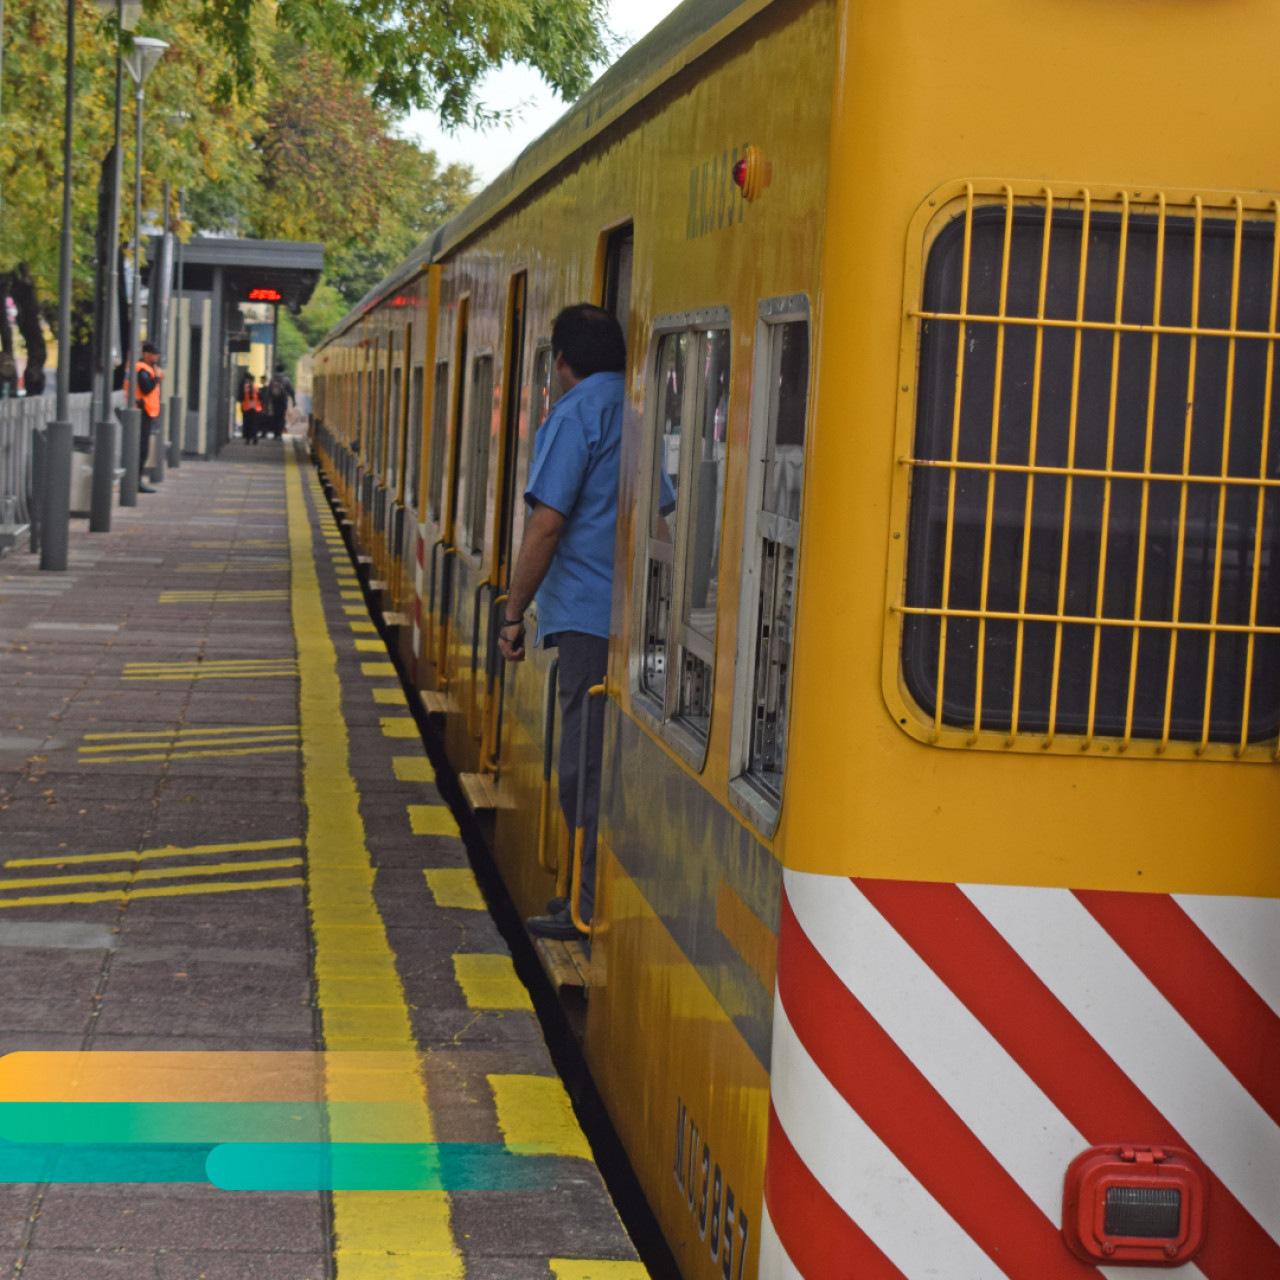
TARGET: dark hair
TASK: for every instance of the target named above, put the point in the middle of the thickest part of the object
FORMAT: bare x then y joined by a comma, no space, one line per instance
150,348
279,368
590,340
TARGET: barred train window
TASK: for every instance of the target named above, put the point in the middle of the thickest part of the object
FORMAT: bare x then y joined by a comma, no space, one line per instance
1095,517
690,395
439,430
777,545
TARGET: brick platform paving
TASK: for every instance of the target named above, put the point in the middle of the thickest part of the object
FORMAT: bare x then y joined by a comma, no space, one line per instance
219,832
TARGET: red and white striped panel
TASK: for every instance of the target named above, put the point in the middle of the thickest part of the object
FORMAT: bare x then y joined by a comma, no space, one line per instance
942,1052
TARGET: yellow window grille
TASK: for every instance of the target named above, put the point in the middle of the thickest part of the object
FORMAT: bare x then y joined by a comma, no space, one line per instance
1089,480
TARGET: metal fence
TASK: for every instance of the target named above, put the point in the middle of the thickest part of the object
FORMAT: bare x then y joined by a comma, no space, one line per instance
20,420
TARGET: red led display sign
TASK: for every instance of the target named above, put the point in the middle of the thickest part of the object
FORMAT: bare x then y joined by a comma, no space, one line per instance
265,295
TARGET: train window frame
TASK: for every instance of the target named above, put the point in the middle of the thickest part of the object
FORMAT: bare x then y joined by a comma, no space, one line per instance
753,800
663,715
413,435
1128,208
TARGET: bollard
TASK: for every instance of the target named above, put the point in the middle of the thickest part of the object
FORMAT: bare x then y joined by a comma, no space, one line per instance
104,474
159,447
36,504
55,536
130,431
177,425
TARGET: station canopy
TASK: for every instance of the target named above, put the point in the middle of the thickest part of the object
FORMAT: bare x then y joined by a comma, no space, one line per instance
275,271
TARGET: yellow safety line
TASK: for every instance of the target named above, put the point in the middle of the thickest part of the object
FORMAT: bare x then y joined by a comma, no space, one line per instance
190,742
377,669
187,755
393,694
596,1269
167,851
489,981
412,769
399,727
432,820
178,733
265,674
379,1235
160,891
534,1111
454,887
150,873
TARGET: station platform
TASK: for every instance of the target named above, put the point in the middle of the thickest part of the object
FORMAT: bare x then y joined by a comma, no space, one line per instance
221,840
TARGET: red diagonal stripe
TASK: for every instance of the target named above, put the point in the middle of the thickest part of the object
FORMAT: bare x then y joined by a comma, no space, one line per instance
891,1095
997,986
822,1241
1201,984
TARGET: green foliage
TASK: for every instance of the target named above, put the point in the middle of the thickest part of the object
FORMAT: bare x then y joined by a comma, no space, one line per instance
291,346
326,308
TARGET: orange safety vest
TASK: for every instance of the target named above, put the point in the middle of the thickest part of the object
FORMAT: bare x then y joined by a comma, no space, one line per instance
149,403
249,401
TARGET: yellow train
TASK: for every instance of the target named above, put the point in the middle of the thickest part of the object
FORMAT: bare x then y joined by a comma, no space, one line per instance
937,910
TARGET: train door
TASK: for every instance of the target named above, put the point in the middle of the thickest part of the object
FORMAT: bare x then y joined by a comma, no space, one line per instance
504,522
444,545
615,294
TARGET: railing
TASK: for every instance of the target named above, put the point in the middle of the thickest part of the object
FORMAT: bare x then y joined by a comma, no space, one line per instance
20,419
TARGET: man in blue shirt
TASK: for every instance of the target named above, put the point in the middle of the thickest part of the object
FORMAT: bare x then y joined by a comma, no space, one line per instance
566,559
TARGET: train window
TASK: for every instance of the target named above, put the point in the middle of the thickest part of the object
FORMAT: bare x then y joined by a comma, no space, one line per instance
379,425
479,430
771,542
663,501
683,517
394,422
705,484
546,386
413,438
1094,532
439,430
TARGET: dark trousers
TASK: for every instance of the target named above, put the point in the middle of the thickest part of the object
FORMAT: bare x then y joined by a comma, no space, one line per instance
277,420
146,426
583,662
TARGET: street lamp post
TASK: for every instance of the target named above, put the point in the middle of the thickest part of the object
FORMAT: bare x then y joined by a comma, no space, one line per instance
140,63
127,13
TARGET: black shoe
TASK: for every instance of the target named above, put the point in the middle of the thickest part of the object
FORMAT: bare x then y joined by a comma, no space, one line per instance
557,906
145,488
559,926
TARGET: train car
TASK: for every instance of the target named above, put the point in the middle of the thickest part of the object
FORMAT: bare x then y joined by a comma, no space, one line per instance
936,923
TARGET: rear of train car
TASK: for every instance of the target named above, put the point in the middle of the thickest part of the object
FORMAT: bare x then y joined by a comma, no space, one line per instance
936,927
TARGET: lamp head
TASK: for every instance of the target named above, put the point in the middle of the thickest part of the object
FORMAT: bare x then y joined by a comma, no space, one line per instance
129,10
141,60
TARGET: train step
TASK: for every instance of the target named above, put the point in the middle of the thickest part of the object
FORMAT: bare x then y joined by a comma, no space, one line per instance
394,619
484,792
567,963
436,702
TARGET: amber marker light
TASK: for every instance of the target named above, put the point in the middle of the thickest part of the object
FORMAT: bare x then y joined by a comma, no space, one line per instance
1145,1206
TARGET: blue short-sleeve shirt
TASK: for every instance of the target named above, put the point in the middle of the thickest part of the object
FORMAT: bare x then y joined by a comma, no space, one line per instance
575,472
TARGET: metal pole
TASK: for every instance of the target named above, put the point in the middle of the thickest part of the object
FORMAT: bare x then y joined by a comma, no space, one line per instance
131,417
57,470
113,248
177,404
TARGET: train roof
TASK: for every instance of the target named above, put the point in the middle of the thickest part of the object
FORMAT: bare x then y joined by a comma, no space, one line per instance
678,40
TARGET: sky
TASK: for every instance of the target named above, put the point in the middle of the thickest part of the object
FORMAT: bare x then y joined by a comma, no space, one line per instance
522,91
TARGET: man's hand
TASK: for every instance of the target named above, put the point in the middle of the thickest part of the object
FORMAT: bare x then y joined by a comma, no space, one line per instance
511,640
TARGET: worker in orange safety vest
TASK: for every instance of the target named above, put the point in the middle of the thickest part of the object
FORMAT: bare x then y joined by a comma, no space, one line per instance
147,398
250,409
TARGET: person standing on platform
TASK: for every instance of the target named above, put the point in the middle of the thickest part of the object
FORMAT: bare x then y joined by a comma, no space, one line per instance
280,395
250,409
566,559
147,398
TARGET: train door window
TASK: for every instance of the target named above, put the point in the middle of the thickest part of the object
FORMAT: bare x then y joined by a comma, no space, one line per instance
511,427
361,414
659,572
413,438
618,254
439,432
771,544
683,518
705,447
546,386
479,429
